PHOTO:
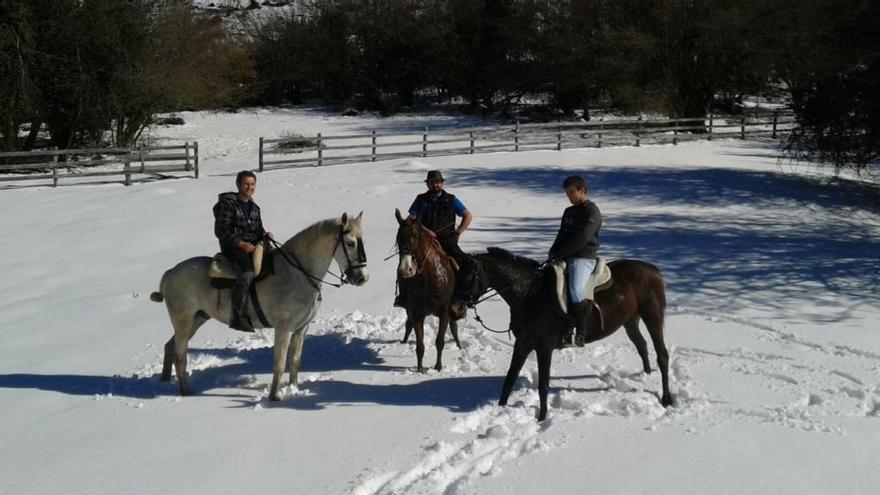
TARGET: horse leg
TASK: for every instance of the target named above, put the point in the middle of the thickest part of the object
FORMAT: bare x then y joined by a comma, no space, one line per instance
294,353
170,353
406,332
520,353
440,342
545,356
453,327
184,328
654,322
279,360
419,326
169,360
632,331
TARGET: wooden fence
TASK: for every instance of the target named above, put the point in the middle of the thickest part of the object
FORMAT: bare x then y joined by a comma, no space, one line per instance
307,151
79,164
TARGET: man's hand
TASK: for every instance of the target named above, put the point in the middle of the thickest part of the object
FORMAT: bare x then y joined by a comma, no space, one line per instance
269,236
246,247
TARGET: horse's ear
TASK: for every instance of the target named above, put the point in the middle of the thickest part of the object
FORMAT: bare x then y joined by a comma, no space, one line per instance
344,219
397,214
360,215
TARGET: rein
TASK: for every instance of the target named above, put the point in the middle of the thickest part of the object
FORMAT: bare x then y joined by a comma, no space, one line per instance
490,296
311,278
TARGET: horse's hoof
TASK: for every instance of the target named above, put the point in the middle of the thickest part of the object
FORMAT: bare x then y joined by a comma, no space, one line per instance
164,378
667,401
275,397
542,416
438,367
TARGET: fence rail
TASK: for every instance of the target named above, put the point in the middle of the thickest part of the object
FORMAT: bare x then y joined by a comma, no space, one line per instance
318,150
74,164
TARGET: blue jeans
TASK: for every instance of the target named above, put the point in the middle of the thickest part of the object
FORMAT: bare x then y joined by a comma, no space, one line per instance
579,270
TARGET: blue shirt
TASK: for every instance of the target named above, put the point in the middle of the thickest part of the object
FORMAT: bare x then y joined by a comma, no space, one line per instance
417,206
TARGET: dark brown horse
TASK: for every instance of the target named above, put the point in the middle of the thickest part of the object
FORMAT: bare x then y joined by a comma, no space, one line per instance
427,275
637,293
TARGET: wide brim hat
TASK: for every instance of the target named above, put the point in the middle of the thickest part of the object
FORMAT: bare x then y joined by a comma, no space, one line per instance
434,175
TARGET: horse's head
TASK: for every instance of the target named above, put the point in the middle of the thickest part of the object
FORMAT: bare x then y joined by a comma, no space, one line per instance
409,236
350,253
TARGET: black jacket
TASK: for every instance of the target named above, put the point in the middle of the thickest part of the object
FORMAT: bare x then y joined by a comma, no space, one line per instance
231,225
438,214
578,235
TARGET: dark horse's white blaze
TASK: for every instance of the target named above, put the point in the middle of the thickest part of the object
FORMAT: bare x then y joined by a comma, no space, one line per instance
289,298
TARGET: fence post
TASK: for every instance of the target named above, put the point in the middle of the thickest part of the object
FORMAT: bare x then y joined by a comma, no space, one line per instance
674,136
601,128
559,138
639,132
196,157
742,127
711,124
320,150
141,156
127,168
516,136
472,141
775,121
425,142
188,167
373,155
54,170
261,154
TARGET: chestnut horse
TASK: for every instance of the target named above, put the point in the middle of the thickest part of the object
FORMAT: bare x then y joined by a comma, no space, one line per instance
637,293
428,275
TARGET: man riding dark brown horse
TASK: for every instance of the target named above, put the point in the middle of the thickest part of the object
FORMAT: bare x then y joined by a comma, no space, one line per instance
436,210
239,228
577,243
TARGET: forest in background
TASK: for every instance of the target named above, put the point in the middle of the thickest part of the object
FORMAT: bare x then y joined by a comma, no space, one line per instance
84,72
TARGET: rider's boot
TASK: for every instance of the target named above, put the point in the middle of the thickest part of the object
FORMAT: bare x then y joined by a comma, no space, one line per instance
581,312
238,320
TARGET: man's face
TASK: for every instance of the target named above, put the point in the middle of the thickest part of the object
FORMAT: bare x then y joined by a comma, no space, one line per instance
247,186
434,186
576,195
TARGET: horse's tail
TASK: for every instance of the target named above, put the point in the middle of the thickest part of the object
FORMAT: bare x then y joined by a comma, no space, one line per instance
158,296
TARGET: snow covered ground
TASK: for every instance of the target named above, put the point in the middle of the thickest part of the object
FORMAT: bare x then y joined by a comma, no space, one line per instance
771,272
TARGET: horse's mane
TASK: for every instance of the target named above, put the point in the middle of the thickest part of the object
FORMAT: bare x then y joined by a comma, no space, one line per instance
520,261
308,234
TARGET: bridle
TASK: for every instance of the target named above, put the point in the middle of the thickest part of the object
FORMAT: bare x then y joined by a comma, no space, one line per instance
361,261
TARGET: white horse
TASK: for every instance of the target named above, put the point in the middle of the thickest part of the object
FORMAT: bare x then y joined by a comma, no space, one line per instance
290,297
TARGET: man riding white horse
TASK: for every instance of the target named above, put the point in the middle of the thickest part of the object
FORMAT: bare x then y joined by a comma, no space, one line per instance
239,228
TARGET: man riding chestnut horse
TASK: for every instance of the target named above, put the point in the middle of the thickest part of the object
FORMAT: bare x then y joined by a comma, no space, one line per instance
436,209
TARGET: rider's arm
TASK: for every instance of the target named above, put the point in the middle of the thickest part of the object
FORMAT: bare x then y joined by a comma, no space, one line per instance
465,215
466,218
415,209
224,219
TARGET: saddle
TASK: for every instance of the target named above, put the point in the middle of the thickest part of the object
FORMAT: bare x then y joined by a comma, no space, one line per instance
599,280
223,273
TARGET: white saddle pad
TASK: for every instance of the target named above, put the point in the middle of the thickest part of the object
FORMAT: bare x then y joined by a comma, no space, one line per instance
221,267
598,280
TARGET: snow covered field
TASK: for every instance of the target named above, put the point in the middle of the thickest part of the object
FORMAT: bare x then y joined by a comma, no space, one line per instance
771,274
